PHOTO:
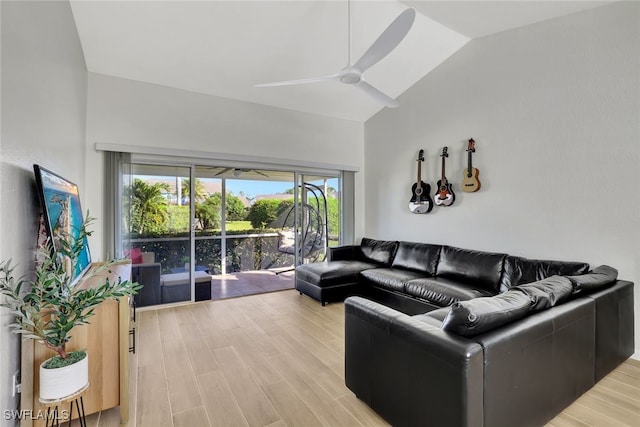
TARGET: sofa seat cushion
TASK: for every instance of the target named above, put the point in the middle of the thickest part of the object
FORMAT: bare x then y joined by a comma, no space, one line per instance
417,256
518,270
443,292
378,251
390,278
480,269
334,273
479,315
597,278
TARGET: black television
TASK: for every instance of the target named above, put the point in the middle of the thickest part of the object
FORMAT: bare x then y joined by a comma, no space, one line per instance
60,201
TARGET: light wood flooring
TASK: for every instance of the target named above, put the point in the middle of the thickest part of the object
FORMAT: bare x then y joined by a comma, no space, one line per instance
277,360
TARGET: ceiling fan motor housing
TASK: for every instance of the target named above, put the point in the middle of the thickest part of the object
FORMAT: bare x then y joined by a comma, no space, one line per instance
350,77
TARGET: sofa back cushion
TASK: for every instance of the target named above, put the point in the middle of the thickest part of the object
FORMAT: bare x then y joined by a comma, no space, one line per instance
518,271
547,293
417,256
473,317
378,251
482,269
599,277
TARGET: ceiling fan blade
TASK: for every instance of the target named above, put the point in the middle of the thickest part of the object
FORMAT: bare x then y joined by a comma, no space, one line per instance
376,94
223,171
388,40
299,81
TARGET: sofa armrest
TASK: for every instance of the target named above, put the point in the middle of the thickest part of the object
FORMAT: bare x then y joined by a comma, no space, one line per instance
411,372
344,253
614,326
537,366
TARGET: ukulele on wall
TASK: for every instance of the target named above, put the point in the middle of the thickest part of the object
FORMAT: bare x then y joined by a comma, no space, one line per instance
444,195
420,202
470,182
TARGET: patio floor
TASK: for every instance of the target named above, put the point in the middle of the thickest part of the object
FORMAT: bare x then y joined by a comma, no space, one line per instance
250,283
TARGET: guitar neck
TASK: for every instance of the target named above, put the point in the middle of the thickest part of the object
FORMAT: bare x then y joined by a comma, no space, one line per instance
419,173
443,173
470,167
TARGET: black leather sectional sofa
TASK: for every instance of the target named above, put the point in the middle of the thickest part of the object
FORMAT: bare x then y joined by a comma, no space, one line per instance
444,336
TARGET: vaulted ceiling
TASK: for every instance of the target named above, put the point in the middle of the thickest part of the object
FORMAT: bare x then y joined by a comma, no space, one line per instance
224,48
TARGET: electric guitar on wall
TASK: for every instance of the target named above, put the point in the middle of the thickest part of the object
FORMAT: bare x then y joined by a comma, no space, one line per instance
420,202
470,182
444,196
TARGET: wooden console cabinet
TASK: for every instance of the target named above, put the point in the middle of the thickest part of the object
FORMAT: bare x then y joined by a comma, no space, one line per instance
106,340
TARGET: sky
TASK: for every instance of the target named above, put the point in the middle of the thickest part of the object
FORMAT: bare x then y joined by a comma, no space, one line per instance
254,188
250,188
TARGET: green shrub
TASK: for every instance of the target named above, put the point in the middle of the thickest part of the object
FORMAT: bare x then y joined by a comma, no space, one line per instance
333,208
235,208
177,218
264,212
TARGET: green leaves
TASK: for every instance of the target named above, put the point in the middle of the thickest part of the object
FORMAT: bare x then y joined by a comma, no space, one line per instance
47,308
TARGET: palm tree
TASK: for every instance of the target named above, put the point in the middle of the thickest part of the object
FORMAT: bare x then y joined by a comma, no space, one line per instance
209,212
148,206
200,192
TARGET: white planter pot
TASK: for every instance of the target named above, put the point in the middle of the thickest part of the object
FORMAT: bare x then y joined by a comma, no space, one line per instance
59,383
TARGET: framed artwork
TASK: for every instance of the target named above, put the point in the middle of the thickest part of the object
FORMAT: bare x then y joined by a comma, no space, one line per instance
62,213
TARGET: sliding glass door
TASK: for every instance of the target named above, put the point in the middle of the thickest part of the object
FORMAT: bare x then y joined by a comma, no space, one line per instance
199,232
158,232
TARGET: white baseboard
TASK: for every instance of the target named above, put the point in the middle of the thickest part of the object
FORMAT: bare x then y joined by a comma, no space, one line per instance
636,355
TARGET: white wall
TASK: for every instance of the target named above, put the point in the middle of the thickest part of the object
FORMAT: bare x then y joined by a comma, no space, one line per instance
132,113
555,110
44,88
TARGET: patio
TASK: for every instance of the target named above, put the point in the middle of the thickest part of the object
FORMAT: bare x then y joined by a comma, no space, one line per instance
249,283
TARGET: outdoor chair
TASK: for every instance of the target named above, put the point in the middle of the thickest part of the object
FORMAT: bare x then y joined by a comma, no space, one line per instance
312,225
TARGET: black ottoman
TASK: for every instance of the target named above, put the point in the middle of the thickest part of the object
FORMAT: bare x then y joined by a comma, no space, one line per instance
330,281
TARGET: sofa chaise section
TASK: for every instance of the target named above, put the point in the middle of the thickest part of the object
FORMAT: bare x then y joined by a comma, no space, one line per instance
340,276
330,281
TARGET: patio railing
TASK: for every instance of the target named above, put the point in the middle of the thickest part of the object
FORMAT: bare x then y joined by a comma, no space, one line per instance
244,252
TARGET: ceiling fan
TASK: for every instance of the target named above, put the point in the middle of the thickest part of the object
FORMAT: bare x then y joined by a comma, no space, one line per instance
237,172
352,74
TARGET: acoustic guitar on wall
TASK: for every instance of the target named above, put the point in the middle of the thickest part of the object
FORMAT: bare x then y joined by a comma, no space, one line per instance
470,181
444,195
420,202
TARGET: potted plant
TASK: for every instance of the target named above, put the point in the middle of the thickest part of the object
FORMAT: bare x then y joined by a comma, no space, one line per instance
187,263
48,307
